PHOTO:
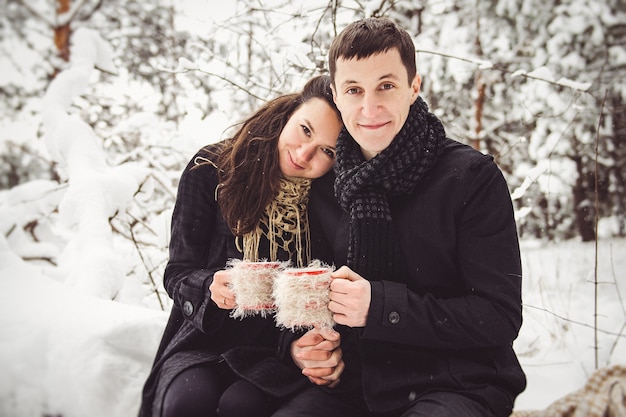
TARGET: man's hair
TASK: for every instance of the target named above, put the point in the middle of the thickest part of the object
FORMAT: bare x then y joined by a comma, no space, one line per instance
371,36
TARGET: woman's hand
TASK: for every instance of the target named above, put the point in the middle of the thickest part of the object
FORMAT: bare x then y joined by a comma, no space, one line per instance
319,356
221,293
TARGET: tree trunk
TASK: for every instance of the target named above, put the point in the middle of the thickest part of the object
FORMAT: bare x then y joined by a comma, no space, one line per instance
583,207
62,32
479,105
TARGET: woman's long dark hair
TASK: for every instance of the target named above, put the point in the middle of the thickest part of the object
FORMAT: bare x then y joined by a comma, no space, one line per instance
249,171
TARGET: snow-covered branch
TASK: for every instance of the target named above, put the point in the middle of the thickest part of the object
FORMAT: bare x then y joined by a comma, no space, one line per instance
66,17
540,74
480,63
185,65
49,21
545,75
96,190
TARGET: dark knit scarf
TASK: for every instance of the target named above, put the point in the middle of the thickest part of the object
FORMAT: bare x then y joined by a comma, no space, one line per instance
363,187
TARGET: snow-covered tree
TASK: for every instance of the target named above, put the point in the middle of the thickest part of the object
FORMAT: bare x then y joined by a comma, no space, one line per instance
524,80
102,104
538,84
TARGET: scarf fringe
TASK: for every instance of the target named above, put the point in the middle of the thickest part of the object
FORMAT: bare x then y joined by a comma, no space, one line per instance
285,225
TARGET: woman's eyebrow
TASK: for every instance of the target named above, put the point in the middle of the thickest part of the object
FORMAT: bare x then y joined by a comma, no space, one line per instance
309,125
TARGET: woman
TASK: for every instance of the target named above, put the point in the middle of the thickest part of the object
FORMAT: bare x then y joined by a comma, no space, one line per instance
243,198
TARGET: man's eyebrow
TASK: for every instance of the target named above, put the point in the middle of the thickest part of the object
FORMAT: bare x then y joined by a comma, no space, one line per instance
390,75
382,77
349,82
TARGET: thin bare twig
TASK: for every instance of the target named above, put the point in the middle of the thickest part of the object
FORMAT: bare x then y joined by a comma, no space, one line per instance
596,220
221,77
148,270
580,323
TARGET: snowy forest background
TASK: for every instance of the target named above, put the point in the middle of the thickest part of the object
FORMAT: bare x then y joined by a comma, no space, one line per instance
104,102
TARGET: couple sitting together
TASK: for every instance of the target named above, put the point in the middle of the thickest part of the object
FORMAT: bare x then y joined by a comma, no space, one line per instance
353,171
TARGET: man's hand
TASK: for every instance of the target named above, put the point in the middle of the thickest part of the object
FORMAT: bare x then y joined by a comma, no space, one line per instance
319,356
350,296
221,293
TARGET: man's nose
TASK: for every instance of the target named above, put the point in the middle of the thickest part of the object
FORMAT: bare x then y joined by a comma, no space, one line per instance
371,104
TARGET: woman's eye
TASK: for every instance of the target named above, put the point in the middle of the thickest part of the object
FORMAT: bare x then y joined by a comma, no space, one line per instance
306,130
329,152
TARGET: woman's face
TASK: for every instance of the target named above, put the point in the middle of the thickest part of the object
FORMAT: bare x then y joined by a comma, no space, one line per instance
306,145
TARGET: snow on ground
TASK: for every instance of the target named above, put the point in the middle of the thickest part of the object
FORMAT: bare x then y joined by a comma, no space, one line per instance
557,343
64,352
68,353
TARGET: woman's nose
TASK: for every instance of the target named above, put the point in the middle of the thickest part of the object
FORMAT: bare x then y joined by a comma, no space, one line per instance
306,151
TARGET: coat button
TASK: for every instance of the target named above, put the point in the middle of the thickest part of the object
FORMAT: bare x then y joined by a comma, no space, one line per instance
187,308
394,317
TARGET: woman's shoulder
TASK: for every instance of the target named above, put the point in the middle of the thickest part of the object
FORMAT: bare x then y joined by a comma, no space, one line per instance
202,170
323,187
325,181
208,154
205,157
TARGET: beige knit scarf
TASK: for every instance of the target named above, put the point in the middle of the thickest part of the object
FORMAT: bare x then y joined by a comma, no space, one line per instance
284,223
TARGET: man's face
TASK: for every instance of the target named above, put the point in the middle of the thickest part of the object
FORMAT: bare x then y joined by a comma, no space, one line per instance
373,95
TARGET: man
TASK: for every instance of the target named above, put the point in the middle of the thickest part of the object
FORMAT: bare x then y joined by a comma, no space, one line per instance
428,300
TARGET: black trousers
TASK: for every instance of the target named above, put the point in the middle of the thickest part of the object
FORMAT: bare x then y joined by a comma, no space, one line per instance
213,390
313,402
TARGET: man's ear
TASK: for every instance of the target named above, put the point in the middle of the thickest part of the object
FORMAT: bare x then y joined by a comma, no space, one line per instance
415,86
332,88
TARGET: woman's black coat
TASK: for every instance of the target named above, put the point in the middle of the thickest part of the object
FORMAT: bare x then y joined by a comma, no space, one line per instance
198,331
451,322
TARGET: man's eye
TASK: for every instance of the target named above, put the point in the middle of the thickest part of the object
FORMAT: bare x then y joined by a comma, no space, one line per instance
352,91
